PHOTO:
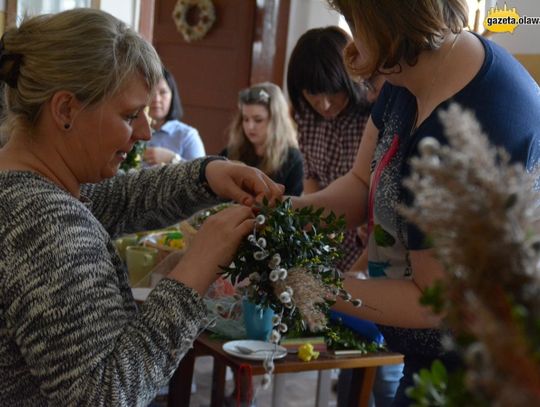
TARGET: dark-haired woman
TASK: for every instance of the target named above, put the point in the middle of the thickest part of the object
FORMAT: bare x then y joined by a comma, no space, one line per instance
172,140
331,111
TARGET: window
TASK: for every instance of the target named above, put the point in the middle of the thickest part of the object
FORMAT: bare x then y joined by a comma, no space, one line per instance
477,13
34,7
343,24
126,10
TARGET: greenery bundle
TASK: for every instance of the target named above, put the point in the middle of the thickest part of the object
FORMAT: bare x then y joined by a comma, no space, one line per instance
288,264
289,261
134,157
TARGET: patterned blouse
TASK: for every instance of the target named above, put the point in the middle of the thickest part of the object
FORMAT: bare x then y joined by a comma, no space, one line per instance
329,148
70,331
515,127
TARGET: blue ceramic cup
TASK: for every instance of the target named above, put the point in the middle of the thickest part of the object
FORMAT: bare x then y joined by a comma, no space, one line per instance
257,321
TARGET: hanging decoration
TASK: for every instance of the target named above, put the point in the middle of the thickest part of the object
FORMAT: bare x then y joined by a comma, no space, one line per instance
194,18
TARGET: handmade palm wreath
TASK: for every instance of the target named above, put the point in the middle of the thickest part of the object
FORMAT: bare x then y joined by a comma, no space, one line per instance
289,264
194,18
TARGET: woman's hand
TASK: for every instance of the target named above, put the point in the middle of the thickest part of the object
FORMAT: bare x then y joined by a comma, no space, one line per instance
214,245
241,183
158,155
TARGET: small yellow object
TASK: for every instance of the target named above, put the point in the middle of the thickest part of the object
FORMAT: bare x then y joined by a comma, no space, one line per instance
306,352
174,240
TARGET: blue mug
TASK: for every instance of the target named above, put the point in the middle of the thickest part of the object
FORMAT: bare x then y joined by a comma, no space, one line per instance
257,321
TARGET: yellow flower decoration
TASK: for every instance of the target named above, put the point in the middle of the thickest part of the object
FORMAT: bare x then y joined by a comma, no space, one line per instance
174,240
306,352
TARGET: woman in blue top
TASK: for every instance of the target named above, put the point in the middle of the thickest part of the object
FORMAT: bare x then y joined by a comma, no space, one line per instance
172,140
428,61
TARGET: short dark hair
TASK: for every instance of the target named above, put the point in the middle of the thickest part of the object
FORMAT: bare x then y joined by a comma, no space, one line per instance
316,66
175,111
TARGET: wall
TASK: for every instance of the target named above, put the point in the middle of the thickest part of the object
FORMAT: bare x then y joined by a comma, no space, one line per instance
209,72
524,42
525,39
306,14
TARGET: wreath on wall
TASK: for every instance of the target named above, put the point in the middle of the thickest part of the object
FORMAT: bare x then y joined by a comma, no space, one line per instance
194,18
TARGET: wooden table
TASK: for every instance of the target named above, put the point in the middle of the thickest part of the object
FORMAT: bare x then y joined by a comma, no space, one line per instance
364,369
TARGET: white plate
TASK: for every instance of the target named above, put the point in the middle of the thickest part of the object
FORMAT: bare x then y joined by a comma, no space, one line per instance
265,349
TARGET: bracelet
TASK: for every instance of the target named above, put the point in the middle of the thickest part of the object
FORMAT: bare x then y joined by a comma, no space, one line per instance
202,171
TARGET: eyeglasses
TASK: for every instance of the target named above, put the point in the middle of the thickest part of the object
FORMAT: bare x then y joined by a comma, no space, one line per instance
254,95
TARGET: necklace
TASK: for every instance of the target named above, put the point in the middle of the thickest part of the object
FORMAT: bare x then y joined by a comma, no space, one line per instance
434,80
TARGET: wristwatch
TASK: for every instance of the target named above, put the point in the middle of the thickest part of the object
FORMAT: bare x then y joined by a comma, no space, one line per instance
176,159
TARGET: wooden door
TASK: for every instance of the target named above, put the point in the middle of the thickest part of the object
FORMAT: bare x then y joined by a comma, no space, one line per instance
211,71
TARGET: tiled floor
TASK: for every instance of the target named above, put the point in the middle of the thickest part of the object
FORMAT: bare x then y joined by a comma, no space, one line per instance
300,388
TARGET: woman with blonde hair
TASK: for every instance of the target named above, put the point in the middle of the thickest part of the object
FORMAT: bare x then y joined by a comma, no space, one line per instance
263,135
75,87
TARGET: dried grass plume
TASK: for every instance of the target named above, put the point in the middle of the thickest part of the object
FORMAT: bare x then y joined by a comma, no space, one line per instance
482,214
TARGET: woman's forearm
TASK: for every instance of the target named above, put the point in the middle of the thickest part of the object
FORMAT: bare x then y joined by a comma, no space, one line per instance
347,196
388,302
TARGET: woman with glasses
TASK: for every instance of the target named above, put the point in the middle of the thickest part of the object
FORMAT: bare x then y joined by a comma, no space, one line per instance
263,135
172,140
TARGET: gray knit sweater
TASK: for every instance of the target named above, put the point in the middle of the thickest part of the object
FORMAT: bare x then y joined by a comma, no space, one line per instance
70,332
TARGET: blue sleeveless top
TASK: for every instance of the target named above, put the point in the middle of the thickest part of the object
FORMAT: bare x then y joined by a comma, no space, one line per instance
506,102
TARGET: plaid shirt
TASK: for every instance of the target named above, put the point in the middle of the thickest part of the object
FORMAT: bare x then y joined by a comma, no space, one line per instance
329,148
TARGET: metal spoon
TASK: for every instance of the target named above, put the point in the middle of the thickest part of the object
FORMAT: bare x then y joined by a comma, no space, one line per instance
247,351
